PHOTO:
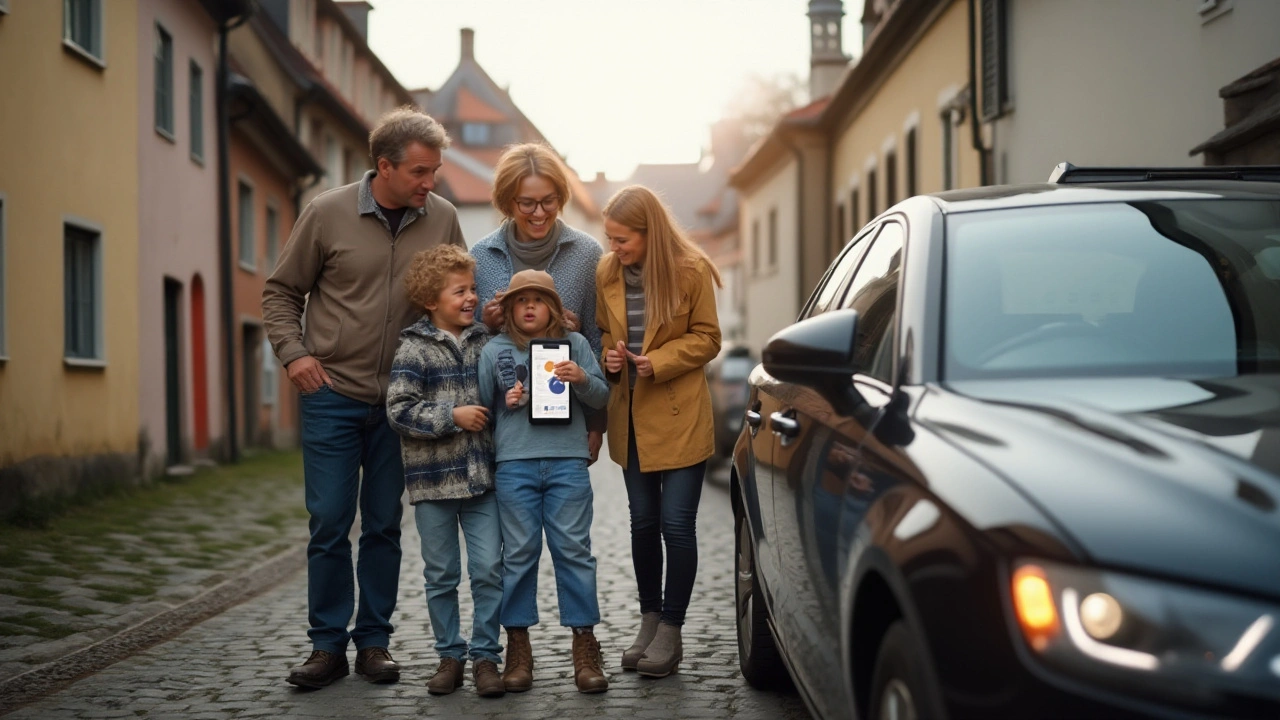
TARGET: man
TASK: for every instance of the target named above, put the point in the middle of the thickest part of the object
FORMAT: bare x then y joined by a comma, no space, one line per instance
345,264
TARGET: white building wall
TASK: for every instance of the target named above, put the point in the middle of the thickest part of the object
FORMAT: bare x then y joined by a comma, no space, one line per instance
771,292
1100,82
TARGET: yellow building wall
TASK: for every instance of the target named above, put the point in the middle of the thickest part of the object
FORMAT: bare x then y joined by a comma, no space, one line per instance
68,149
933,71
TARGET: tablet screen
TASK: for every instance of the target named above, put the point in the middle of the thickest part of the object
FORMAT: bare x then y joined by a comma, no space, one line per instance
549,396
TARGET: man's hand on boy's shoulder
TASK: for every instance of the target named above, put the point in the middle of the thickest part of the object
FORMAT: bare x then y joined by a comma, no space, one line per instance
472,418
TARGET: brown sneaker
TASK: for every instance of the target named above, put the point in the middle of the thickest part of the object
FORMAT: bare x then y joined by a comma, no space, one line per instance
376,665
517,674
488,682
320,670
588,665
448,677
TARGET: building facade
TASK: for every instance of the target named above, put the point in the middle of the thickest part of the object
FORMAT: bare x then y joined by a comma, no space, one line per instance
68,247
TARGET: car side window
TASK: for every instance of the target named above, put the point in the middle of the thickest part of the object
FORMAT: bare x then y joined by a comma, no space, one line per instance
838,276
874,294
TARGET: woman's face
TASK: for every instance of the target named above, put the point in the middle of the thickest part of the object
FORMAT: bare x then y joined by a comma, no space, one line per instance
627,244
535,208
530,312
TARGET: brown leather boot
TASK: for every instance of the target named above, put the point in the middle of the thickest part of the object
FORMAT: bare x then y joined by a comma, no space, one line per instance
320,669
588,665
517,674
664,654
648,628
448,677
376,665
488,682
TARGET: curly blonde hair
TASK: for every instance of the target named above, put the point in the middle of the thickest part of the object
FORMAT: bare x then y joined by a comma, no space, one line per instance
430,270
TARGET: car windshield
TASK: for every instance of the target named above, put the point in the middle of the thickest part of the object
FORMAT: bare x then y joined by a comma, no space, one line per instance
1188,288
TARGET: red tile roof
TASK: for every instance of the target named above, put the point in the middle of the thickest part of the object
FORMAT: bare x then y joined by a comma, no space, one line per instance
472,109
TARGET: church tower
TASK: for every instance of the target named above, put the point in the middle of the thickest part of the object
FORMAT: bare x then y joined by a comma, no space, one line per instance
827,60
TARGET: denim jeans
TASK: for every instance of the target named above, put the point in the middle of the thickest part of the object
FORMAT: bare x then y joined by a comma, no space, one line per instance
664,510
350,457
552,495
438,523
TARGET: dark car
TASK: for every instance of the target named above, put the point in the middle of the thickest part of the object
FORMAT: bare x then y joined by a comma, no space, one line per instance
727,378
1020,457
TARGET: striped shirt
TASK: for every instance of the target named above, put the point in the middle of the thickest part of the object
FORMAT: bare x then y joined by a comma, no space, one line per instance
635,325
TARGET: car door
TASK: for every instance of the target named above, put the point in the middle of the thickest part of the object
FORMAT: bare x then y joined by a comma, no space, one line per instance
820,493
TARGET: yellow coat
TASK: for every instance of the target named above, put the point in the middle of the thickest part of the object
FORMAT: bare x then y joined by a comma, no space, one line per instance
672,408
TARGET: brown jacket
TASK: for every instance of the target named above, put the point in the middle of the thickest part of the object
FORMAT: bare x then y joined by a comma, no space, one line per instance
342,264
672,408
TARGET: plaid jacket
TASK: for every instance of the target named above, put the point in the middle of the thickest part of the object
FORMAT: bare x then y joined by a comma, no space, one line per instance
429,378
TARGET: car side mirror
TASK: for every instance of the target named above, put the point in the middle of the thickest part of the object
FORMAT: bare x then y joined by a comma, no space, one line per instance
818,353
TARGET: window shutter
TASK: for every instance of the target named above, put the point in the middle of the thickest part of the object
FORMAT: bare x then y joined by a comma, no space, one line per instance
993,59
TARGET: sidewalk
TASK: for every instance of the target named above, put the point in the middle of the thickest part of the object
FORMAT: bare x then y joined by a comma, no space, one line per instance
151,562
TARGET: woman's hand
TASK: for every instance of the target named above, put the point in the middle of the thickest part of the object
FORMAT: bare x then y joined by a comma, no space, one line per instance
515,396
571,321
471,418
615,359
492,315
570,372
644,368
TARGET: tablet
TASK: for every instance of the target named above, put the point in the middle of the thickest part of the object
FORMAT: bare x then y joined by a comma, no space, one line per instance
548,395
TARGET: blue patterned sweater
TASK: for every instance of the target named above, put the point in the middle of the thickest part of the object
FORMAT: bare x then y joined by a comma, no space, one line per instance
572,266
431,375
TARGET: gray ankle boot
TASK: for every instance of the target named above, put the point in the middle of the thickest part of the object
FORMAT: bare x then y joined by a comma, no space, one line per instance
648,627
664,654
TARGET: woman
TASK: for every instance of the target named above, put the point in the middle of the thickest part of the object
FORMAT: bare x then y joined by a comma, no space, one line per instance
530,186
656,305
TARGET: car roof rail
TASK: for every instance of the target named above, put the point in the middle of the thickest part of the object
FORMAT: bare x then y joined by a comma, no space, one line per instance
1065,173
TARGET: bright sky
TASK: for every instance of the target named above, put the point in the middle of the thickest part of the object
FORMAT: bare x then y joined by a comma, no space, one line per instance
611,83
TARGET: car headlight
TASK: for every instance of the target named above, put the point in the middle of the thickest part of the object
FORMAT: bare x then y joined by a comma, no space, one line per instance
1148,636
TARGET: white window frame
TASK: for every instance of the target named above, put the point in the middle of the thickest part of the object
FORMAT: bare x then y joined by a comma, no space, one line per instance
195,110
98,359
163,81
97,27
250,265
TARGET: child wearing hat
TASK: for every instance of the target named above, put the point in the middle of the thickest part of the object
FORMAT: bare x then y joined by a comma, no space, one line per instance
541,478
433,402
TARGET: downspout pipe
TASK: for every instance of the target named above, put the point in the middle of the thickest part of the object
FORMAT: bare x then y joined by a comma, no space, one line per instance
798,154
224,235
975,135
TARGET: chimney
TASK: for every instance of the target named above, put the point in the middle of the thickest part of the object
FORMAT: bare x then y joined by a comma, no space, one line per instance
599,178
827,60
358,13
468,44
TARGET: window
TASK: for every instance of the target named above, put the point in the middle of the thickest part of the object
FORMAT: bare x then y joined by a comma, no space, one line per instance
837,278
755,247
475,134
270,374
773,238
82,283
948,149
196,110
82,27
4,348
273,237
854,225
910,156
871,194
164,82
994,60
247,248
874,294
890,178
837,236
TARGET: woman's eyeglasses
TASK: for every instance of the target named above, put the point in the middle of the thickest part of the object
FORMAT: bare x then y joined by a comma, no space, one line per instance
529,206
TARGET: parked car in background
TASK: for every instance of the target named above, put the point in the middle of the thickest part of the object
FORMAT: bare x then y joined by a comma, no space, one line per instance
727,377
1020,457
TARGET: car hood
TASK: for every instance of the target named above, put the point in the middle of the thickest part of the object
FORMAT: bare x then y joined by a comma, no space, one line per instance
1164,476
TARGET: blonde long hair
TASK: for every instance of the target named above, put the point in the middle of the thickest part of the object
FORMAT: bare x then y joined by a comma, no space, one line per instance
668,250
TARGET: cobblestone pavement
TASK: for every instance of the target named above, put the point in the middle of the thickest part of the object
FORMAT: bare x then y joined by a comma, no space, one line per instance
233,665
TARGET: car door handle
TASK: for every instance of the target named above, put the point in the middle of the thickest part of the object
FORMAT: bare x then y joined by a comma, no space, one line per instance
788,427
753,418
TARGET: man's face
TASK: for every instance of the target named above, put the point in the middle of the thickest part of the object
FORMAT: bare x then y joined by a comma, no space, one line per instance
408,184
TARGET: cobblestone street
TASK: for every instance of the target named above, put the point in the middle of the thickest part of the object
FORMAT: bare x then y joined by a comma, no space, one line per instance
234,665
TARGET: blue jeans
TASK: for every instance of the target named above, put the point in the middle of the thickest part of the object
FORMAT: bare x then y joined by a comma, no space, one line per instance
438,523
552,495
664,510
351,455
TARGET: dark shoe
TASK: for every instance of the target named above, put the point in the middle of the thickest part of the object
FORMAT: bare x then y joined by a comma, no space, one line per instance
488,682
648,628
320,670
664,654
448,677
588,665
517,674
376,665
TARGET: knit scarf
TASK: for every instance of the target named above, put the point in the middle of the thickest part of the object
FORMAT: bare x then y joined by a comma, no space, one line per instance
534,255
633,275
